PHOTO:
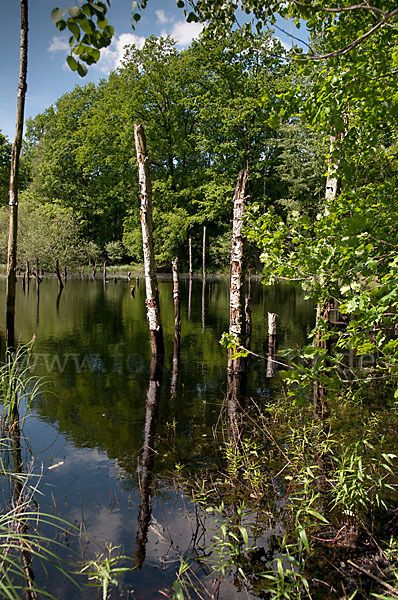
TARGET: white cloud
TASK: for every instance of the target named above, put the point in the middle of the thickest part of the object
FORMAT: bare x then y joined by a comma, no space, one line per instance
162,17
183,33
284,44
112,56
58,44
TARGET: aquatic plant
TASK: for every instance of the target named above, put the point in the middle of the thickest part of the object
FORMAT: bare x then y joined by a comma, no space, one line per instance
104,570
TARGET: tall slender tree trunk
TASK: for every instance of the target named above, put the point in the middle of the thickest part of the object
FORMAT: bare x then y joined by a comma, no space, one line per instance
13,189
324,306
190,256
58,274
237,322
204,252
177,327
151,284
190,276
236,372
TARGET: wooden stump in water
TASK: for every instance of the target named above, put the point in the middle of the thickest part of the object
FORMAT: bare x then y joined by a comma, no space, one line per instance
132,291
272,344
37,272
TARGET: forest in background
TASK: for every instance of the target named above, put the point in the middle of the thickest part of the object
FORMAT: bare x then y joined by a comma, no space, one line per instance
206,116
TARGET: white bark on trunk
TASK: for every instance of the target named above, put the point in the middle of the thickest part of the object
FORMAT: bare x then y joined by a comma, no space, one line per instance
237,273
151,284
204,252
177,327
190,255
236,371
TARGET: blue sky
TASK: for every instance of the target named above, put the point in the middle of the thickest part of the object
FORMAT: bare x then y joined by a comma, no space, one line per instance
48,76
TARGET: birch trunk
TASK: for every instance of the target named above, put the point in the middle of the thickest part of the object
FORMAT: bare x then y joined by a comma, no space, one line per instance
190,256
323,307
272,342
332,183
203,303
151,284
177,327
236,372
13,189
204,252
237,275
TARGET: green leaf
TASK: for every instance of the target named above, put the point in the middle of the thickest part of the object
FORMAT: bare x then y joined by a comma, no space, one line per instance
316,514
244,535
86,25
74,11
88,9
180,3
82,70
102,23
304,539
192,18
72,63
73,28
178,591
57,15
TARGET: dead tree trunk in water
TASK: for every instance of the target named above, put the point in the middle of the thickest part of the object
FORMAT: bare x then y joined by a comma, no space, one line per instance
177,326
272,344
323,307
237,321
190,276
204,253
61,285
151,284
13,189
38,280
319,390
190,256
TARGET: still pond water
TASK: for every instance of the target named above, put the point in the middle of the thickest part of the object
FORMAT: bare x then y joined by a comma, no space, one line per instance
93,350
